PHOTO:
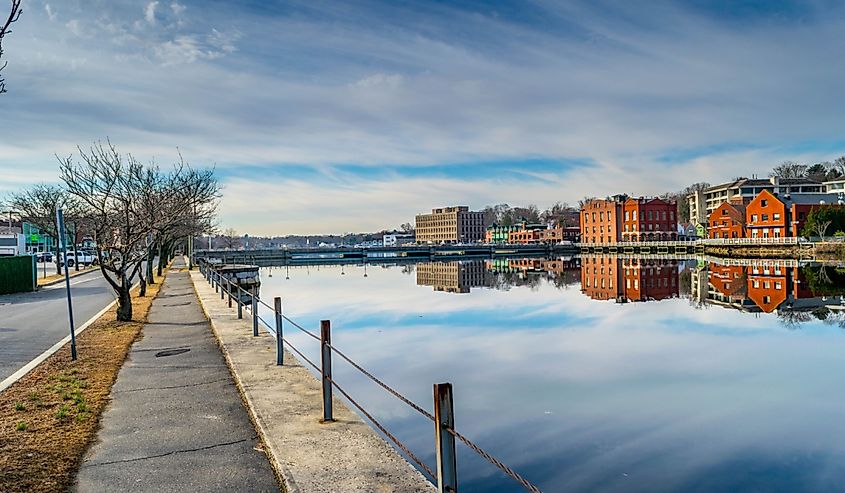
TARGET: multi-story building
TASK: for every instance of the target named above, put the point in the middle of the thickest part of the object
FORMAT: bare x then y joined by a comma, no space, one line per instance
620,218
703,203
601,220
558,234
455,224
728,220
526,233
777,216
649,219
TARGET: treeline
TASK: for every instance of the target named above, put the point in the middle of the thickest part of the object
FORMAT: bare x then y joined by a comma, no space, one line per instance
133,211
560,213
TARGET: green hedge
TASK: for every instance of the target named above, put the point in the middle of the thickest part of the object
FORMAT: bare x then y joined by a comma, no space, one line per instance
17,274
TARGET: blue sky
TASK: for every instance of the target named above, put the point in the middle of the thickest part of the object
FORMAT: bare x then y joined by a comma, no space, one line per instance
352,116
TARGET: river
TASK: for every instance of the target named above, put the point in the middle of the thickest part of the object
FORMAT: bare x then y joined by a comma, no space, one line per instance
598,373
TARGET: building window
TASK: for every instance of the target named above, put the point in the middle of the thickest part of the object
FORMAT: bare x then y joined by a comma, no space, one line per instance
764,203
724,212
765,217
776,216
754,218
634,216
626,216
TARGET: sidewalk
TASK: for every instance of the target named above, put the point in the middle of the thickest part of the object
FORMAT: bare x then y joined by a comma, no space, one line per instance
176,421
344,456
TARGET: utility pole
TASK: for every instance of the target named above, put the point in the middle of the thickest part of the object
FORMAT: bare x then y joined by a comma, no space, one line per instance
60,218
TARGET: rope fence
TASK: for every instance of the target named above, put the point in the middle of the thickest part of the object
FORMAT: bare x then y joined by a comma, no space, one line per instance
446,472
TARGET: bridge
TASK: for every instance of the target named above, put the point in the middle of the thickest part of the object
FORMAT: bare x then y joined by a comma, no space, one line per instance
282,256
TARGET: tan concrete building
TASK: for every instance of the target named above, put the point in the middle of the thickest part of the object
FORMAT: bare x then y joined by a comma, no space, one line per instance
455,224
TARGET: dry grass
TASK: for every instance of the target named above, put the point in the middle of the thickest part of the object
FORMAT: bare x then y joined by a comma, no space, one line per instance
50,416
44,280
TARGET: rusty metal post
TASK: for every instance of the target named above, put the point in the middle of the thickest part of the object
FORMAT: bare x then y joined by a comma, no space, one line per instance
326,357
254,303
444,417
239,301
280,349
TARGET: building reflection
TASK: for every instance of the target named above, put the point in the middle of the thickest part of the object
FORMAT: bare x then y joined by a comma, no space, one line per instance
451,277
499,273
629,279
782,287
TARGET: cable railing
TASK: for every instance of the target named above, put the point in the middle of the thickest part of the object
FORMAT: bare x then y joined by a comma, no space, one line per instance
445,472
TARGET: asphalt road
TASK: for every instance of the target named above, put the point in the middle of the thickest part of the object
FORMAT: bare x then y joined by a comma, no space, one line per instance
30,323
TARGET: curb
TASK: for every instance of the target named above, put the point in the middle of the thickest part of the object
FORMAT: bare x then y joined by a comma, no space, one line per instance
62,279
14,377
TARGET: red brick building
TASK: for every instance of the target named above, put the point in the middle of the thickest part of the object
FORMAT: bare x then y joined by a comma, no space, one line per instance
651,219
727,221
778,216
620,219
558,234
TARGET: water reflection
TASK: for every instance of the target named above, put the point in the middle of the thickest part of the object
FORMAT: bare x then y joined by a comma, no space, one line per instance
696,386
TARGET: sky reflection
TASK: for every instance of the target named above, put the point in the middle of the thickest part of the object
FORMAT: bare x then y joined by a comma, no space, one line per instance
584,395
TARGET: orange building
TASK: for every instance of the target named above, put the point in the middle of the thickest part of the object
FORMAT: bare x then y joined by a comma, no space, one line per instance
727,221
777,216
601,220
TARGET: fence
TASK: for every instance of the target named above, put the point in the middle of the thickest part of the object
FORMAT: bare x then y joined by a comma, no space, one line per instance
17,274
445,473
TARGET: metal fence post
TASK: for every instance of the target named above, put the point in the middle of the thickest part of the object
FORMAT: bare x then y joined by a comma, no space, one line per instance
444,417
280,349
215,280
326,357
254,303
229,289
222,289
238,300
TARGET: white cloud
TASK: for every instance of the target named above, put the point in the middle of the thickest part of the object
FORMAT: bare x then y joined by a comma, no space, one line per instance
339,85
51,14
177,8
150,13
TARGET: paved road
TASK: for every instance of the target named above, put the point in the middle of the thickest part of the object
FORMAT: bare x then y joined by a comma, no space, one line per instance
176,421
30,323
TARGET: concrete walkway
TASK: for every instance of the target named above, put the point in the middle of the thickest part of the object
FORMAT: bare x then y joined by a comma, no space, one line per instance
345,456
176,421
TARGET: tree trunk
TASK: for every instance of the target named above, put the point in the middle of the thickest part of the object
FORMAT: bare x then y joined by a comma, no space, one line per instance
124,300
142,282
160,258
151,253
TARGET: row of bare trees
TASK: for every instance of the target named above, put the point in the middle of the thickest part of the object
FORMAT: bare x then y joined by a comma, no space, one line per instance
134,212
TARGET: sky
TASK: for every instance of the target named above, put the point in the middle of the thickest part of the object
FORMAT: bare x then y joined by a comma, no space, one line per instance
348,116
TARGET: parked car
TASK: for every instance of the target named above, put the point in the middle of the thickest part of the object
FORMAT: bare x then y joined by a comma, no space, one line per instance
84,258
44,256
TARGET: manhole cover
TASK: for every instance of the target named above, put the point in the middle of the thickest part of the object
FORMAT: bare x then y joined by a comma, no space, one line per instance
171,352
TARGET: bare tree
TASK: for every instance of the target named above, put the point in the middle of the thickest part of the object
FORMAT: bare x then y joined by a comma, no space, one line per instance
38,205
230,238
821,228
789,169
14,15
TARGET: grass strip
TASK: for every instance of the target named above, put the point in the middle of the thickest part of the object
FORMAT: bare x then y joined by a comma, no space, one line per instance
49,417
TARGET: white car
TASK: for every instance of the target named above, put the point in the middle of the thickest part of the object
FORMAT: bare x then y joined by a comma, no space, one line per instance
84,258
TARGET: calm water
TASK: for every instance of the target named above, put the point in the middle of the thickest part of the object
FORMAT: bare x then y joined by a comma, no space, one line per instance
598,374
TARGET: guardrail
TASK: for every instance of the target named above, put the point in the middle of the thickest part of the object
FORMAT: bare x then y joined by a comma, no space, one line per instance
787,240
446,475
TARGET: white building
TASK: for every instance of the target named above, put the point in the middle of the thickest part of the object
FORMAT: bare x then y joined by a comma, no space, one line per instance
12,244
397,239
